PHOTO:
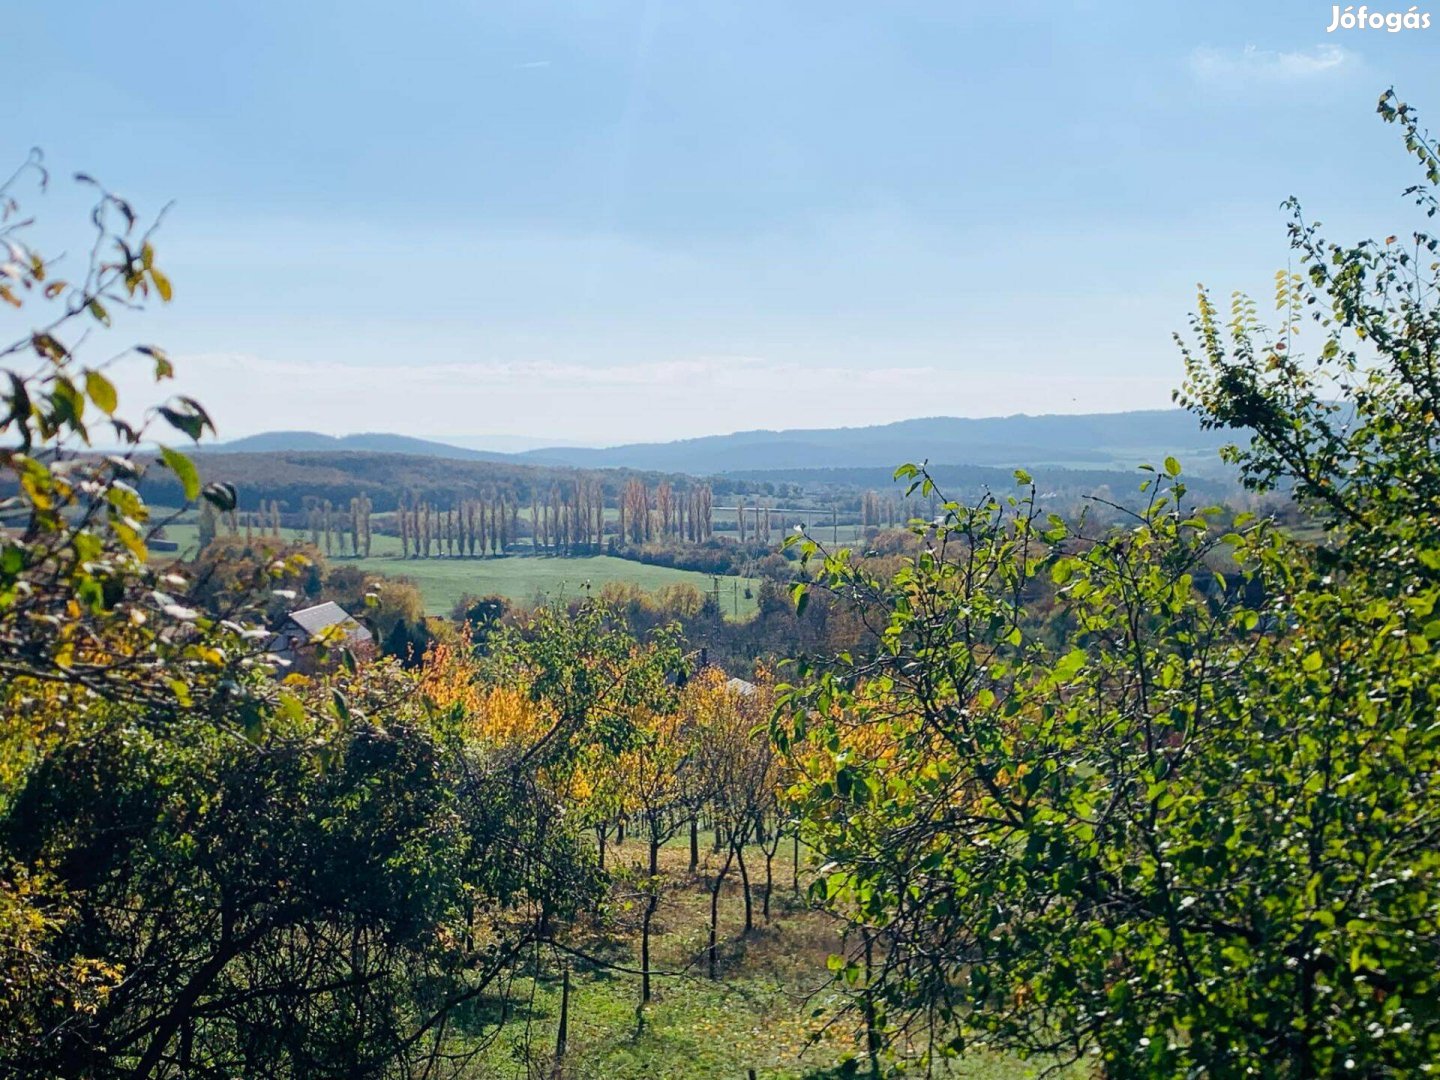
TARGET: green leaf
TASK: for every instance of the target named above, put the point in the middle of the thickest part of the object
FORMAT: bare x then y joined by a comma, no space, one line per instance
190,417
184,469
101,391
1172,467
1069,664
164,369
20,408
181,691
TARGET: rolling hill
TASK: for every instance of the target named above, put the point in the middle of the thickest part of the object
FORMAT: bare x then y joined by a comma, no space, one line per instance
270,442
1096,440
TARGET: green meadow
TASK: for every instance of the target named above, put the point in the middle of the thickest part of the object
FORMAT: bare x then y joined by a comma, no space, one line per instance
519,578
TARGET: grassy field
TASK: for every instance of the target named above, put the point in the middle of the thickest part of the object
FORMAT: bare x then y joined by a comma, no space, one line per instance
760,1014
521,578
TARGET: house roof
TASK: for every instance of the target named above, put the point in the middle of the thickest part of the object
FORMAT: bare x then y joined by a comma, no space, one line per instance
316,620
740,686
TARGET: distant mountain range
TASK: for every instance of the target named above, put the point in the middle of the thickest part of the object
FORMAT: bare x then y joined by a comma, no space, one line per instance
270,442
1096,440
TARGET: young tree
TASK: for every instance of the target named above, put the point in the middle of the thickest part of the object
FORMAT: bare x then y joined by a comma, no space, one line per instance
650,777
738,770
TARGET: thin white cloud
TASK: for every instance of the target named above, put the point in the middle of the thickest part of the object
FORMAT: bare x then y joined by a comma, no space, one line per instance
526,64
1254,64
604,404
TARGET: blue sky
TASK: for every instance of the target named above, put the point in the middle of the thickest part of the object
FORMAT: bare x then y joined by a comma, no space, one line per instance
608,221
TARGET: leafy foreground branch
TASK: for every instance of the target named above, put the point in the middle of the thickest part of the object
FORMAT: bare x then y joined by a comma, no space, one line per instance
1164,797
205,871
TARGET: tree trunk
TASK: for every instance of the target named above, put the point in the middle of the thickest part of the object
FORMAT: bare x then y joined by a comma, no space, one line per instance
872,1032
745,882
715,885
694,844
795,866
563,1032
769,882
650,905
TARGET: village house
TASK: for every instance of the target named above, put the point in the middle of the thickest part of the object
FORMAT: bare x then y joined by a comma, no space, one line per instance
324,625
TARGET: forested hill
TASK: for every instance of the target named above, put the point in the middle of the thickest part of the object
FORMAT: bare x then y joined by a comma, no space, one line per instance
1097,440
293,476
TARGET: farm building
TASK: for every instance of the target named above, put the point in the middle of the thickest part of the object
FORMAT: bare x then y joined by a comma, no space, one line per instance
295,639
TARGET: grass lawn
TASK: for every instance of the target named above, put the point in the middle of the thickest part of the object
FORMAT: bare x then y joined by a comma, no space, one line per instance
521,578
525,578
758,1015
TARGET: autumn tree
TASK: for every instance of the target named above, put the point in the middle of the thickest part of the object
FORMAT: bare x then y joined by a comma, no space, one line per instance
651,778
736,765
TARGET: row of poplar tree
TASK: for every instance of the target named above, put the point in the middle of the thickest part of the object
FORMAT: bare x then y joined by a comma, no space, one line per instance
330,526
568,519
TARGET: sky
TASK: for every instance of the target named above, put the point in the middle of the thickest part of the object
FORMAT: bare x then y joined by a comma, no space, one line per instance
609,221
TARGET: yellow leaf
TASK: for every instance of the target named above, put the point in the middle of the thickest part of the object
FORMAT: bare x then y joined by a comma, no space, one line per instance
101,391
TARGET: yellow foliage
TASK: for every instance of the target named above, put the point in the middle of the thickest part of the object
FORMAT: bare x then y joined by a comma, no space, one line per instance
496,716
649,776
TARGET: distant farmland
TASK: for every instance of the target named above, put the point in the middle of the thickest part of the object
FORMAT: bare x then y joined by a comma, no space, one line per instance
520,578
